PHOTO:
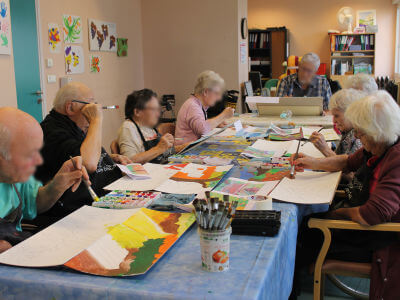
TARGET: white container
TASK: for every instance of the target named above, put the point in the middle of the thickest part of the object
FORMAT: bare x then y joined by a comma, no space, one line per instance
215,249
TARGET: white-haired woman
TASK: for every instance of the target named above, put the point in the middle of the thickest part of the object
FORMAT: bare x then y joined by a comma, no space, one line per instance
362,82
348,143
192,121
376,120
306,82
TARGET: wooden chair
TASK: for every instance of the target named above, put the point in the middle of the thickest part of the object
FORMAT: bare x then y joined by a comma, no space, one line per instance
114,147
164,128
330,266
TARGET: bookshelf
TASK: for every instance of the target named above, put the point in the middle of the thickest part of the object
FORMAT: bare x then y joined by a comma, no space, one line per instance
351,54
268,49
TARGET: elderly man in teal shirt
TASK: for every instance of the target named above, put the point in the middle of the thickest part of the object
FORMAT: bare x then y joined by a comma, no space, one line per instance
22,196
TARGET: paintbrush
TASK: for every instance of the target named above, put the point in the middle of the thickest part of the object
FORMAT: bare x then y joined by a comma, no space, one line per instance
309,140
91,192
292,169
103,107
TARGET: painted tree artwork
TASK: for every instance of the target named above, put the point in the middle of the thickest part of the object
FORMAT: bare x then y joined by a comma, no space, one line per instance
122,47
54,38
95,64
74,59
72,29
5,27
102,36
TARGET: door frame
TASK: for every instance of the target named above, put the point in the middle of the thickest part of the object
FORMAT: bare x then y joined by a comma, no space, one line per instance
41,59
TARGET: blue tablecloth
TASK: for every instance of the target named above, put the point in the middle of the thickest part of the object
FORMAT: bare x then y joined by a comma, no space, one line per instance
261,268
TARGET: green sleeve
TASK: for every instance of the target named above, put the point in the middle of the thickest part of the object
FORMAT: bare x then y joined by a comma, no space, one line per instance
29,191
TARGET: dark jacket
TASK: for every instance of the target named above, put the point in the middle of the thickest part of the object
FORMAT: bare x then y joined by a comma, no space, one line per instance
62,139
383,205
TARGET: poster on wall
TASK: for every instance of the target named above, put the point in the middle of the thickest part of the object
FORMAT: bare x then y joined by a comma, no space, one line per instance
72,29
122,47
95,64
74,60
102,36
366,17
5,27
54,38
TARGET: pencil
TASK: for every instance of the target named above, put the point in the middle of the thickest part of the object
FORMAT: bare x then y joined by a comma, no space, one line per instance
91,192
103,107
292,169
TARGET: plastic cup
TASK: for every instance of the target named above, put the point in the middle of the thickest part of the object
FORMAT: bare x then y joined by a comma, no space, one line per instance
215,249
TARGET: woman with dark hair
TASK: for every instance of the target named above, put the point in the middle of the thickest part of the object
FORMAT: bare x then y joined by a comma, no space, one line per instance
137,138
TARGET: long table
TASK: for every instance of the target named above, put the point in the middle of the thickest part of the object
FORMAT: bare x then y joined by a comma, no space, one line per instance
261,268
264,121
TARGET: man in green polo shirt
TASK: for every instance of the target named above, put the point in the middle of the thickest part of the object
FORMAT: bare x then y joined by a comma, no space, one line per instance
22,196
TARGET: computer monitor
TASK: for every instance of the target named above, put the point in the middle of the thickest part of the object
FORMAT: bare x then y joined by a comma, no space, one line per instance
255,78
249,88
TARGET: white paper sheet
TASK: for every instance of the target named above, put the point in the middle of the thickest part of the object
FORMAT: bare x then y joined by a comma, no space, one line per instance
58,243
308,130
267,188
158,174
278,147
252,101
307,148
330,134
307,188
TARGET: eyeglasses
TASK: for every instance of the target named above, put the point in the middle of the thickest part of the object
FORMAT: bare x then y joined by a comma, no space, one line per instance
83,102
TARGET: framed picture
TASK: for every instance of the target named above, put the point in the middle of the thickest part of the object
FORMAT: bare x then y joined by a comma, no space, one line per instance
366,17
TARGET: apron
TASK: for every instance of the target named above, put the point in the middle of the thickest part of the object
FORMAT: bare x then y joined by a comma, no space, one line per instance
8,225
162,158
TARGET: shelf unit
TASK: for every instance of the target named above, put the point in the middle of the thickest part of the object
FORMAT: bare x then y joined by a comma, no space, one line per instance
268,49
351,53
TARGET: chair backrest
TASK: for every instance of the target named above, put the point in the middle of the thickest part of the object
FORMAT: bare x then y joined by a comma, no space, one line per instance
271,83
164,128
114,147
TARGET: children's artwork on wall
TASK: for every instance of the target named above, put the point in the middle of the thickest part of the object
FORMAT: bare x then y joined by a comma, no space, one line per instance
122,47
102,36
5,27
74,60
54,38
72,29
366,17
95,64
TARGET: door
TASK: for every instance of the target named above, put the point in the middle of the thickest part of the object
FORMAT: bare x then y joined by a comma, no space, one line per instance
26,57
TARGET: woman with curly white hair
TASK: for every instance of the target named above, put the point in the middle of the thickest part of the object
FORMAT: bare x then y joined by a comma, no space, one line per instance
376,121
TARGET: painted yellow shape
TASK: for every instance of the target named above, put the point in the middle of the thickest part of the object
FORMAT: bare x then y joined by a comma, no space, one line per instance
126,237
184,222
141,223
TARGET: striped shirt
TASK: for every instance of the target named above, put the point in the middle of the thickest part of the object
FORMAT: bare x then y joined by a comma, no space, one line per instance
319,87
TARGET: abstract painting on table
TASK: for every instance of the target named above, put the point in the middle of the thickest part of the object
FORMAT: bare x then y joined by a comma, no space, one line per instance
95,64
260,173
74,60
194,179
122,47
5,27
102,36
72,29
54,38
134,246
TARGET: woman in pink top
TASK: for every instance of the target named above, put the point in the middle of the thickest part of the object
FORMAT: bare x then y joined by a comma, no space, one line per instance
192,120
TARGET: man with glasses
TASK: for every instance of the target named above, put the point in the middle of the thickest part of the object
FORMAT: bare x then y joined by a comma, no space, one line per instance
74,128
305,83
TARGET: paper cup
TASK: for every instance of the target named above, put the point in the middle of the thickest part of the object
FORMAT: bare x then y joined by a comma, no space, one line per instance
215,249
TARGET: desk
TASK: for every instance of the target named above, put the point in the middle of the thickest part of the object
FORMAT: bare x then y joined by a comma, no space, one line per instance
261,268
253,119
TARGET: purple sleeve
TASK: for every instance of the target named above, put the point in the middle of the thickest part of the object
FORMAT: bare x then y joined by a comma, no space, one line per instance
196,121
355,160
384,201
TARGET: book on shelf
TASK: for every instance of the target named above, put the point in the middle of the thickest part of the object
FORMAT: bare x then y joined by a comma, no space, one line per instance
352,42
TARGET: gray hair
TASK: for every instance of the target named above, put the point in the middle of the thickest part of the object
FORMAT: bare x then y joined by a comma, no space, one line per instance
5,138
363,82
343,98
70,91
208,80
313,58
377,115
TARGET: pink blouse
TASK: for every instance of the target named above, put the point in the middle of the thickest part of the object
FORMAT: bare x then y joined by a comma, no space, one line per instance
191,123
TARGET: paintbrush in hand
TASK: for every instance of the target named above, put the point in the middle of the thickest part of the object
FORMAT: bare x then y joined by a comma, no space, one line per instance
91,192
292,169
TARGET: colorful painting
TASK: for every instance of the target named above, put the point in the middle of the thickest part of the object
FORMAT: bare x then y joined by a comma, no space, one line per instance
194,179
95,65
122,47
102,36
284,137
54,38
5,27
74,60
72,26
260,173
134,246
239,188
253,152
366,17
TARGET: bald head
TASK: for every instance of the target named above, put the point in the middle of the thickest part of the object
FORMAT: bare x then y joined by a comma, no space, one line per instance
69,92
20,142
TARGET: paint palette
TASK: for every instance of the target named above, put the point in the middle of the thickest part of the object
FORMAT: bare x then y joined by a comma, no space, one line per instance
126,199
